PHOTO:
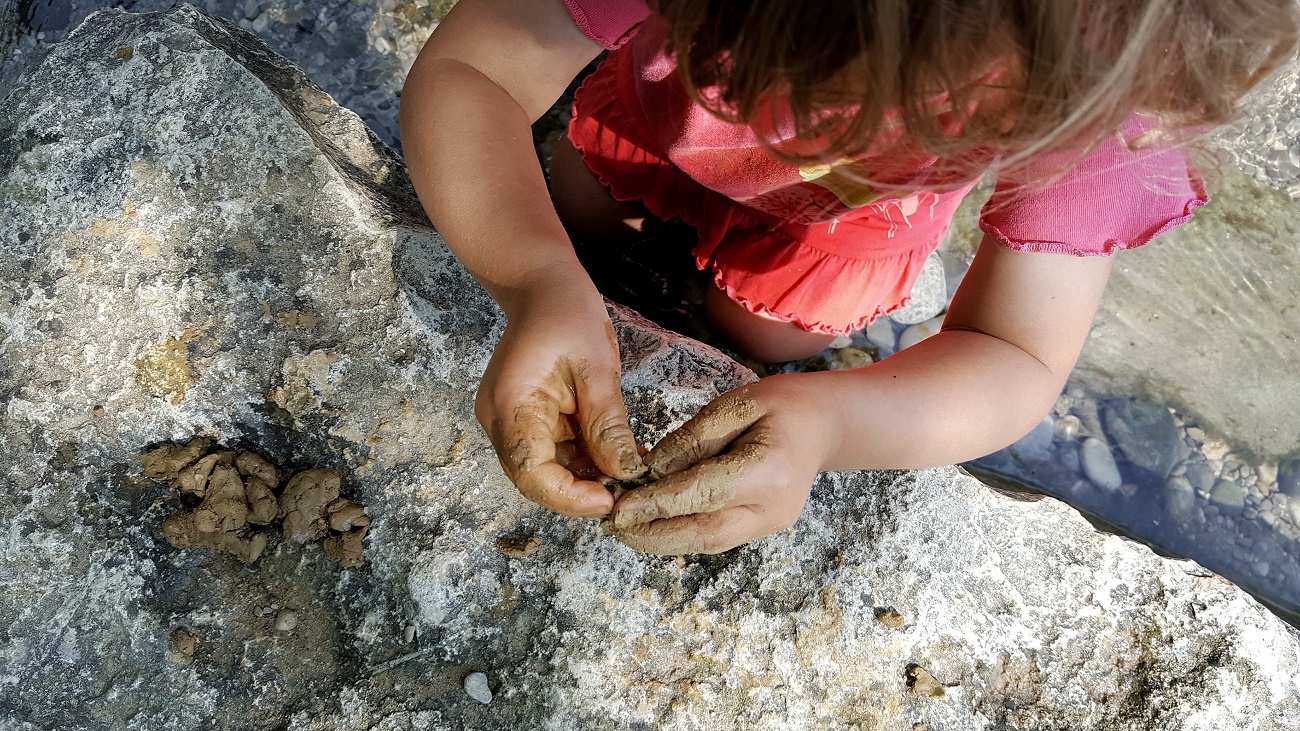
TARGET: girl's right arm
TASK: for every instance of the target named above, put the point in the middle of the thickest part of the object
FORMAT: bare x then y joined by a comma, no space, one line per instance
490,69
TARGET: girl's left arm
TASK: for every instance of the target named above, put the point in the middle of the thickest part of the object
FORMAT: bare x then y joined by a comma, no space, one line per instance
742,468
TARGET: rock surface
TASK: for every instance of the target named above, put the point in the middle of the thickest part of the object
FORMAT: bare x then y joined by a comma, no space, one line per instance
195,241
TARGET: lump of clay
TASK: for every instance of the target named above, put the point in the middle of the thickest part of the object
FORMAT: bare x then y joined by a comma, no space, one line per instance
194,479
237,490
306,502
220,522
348,525
165,462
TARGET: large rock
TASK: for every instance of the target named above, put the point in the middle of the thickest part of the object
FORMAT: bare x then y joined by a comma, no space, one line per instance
195,240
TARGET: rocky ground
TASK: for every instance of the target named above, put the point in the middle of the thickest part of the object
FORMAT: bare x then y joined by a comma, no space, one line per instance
200,243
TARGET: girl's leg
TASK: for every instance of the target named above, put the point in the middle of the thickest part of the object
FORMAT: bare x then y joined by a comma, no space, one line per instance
756,336
592,216
586,208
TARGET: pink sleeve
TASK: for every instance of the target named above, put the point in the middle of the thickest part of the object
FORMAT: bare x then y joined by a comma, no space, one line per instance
1113,199
607,22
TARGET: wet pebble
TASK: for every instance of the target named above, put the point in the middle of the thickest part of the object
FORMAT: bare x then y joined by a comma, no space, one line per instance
1227,495
408,634
1214,449
1067,427
1200,475
476,686
1036,446
1145,433
1180,499
1261,568
1099,464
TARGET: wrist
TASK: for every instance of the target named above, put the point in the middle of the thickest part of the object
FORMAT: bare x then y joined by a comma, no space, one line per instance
556,283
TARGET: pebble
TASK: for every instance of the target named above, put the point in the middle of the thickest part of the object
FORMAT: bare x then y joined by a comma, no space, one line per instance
1215,449
476,686
849,358
1067,427
1227,496
1196,433
408,634
840,341
916,333
1036,446
1293,507
286,620
1200,475
1267,472
1099,464
1261,568
1180,499
880,333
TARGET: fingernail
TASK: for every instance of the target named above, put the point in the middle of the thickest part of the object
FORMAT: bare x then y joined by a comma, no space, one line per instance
631,463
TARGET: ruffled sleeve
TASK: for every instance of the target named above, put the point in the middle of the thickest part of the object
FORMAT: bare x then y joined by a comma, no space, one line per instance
1114,198
608,22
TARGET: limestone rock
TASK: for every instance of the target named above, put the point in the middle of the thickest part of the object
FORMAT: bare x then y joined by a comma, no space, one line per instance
194,241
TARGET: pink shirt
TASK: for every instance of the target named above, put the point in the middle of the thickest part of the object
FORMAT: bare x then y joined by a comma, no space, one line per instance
1112,199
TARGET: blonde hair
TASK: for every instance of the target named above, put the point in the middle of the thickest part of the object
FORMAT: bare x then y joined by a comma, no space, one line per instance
975,80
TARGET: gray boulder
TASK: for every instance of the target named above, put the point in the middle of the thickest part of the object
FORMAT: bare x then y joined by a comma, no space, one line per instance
195,240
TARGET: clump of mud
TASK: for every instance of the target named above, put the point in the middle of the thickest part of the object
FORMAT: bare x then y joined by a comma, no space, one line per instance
234,503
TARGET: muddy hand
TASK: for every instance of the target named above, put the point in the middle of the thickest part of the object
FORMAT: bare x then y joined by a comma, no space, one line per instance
725,477
556,433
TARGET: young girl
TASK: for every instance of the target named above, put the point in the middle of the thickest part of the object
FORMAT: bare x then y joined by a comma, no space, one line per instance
819,148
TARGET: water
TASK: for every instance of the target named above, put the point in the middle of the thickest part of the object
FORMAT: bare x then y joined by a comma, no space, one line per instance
1190,381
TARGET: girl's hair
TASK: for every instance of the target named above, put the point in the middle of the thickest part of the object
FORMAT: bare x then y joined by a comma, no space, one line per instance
970,80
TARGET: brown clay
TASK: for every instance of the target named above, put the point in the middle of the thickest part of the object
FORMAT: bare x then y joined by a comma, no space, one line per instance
346,548
163,463
263,508
518,546
889,618
306,501
251,464
921,682
181,646
194,479
238,492
344,515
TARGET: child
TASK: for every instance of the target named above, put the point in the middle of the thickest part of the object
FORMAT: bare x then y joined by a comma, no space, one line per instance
819,148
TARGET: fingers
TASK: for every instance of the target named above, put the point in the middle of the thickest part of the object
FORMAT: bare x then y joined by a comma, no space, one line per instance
555,488
700,533
527,448
708,486
604,427
705,435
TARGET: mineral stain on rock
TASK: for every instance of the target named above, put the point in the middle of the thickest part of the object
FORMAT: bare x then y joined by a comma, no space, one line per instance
237,504
164,370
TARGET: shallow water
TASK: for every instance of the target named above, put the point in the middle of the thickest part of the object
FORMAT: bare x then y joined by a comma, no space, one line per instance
1190,381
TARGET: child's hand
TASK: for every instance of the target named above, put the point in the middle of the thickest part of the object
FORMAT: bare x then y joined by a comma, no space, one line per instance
738,470
551,403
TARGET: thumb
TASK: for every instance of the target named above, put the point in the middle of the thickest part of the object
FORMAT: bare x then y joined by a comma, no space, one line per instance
705,435
603,419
